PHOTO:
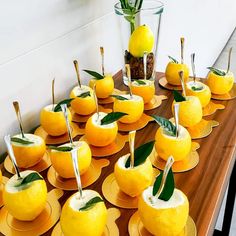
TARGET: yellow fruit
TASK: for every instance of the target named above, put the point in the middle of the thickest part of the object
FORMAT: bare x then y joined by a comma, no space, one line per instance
25,202
0,178
141,40
220,84
104,87
133,107
190,111
146,91
62,161
133,181
163,218
28,155
100,135
167,145
172,73
90,222
53,123
204,94
82,106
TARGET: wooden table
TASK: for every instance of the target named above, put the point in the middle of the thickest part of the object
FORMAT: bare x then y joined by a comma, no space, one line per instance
206,184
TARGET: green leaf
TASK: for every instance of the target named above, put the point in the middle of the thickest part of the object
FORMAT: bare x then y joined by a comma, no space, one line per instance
84,95
196,88
167,125
91,203
57,108
178,96
96,75
169,186
111,117
141,82
61,149
30,178
118,97
217,71
173,59
21,141
141,154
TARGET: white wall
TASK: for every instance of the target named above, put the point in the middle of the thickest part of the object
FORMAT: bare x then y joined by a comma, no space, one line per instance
40,38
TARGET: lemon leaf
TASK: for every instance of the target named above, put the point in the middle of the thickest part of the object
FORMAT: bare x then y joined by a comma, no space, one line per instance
167,125
91,203
61,149
84,95
196,88
118,97
57,108
30,178
95,74
217,71
141,154
111,117
173,59
178,96
21,141
140,82
169,186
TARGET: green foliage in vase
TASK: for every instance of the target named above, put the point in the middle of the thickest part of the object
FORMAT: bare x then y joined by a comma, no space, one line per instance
130,8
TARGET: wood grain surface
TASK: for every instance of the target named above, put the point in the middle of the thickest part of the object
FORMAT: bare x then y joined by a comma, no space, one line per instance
206,184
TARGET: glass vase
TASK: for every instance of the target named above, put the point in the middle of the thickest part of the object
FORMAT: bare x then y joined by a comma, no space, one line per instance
149,16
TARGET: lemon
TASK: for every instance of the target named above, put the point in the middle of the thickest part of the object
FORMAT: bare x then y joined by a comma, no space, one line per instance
163,218
141,40
167,145
172,73
25,202
90,222
133,107
104,87
133,181
220,84
204,94
53,123
62,161
82,105
100,135
146,91
28,155
190,111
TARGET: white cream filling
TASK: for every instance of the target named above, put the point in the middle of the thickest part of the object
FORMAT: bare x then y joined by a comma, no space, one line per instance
197,84
50,107
77,144
147,83
97,120
176,199
10,186
28,137
78,91
76,203
134,97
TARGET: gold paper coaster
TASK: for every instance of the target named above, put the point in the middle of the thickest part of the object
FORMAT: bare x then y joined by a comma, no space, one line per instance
211,108
179,166
202,129
111,99
155,102
111,227
141,123
136,227
83,119
39,167
4,181
228,96
88,178
163,83
10,226
109,150
115,196
59,139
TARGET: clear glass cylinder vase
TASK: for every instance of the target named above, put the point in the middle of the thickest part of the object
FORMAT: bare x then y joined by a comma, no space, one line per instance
149,15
